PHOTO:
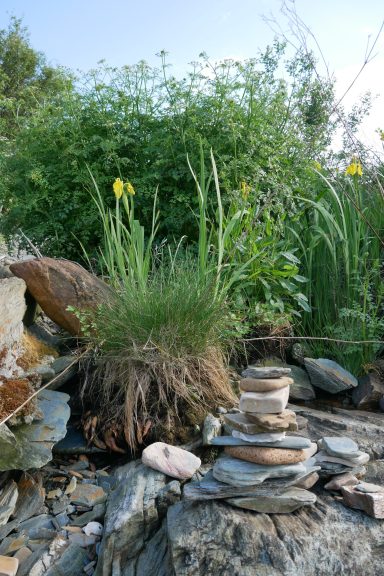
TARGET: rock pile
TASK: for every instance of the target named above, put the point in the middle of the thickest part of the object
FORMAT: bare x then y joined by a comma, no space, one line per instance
340,454
263,469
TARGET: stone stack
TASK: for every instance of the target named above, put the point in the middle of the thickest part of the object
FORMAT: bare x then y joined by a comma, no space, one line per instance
340,455
262,468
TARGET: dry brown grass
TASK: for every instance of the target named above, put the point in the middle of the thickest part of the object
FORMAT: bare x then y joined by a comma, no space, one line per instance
33,351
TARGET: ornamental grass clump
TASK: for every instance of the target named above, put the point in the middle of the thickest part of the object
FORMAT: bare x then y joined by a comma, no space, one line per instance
161,359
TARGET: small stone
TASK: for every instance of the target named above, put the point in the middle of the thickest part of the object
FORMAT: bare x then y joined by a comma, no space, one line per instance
52,494
263,372
286,420
8,566
290,442
266,456
368,488
96,514
88,495
308,481
171,460
221,410
93,528
82,540
340,446
71,486
361,459
12,544
266,385
259,438
241,473
211,429
265,402
337,482
22,554
372,504
8,499
282,503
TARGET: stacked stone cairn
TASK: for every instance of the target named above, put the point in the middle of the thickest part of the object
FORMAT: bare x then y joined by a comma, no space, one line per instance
262,469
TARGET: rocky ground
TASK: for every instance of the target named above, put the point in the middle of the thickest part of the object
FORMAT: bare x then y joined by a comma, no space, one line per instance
69,508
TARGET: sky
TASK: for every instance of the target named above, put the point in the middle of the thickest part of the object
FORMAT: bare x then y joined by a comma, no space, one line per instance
79,33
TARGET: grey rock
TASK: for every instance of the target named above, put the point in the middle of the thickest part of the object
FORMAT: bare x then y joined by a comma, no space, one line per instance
329,376
261,372
301,389
292,442
96,514
31,497
33,525
340,446
75,443
369,488
70,563
12,309
241,473
62,371
12,543
27,567
62,363
211,429
35,441
369,391
87,495
8,499
286,501
45,371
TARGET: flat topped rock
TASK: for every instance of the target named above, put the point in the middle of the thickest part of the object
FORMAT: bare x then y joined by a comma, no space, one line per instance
289,442
265,372
171,460
371,503
361,458
368,488
329,376
288,501
265,437
241,473
340,446
266,456
284,421
264,385
272,402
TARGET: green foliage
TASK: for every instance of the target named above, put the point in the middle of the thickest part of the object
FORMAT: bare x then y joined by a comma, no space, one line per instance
341,248
141,122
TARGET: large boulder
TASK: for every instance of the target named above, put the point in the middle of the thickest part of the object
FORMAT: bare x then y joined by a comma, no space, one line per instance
57,284
329,375
369,391
12,309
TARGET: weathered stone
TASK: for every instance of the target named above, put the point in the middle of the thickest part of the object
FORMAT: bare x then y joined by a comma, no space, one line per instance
266,456
301,389
57,284
33,526
337,482
265,402
285,421
241,473
12,309
31,497
262,437
311,450
308,481
8,566
13,543
8,499
359,460
369,488
63,373
82,539
339,446
371,503
211,429
287,501
22,554
328,375
69,562
263,372
171,460
264,385
93,529
290,442
96,514
34,441
368,392
88,495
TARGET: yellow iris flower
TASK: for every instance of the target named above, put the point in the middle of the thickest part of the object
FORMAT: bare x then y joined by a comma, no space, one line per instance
129,188
354,168
245,190
118,187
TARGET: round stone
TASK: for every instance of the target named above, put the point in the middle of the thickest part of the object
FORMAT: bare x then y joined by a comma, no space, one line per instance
266,456
264,385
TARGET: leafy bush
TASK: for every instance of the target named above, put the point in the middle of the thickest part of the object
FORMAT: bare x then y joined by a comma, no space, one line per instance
142,122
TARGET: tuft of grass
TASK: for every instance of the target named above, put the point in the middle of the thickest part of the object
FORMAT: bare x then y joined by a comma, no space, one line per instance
162,353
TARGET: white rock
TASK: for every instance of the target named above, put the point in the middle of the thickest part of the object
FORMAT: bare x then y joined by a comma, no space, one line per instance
171,460
211,429
93,529
262,437
272,402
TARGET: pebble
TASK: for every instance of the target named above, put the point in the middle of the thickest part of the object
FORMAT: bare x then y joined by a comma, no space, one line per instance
266,385
93,528
171,460
266,456
272,402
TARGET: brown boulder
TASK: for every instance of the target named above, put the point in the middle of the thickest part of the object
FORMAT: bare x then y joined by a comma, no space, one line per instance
57,284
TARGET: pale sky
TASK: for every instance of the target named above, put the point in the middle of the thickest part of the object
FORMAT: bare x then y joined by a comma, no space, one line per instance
79,33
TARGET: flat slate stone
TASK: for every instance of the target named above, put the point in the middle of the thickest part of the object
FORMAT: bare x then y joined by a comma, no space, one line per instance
289,442
340,446
329,376
372,504
241,473
359,460
265,372
267,437
288,501
264,385
284,421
